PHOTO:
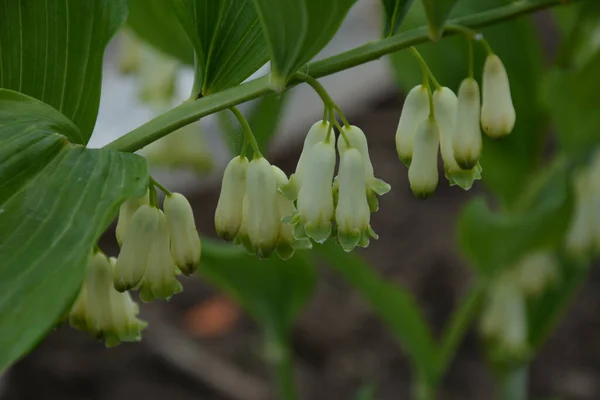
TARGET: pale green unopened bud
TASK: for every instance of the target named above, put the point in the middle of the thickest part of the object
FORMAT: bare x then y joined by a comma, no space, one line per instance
264,221
160,276
414,111
535,272
466,141
497,110
358,140
423,173
228,215
315,200
126,211
352,214
317,133
581,233
135,252
101,310
287,242
446,108
185,241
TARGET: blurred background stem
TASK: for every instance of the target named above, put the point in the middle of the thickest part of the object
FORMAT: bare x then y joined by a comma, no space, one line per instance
513,384
280,360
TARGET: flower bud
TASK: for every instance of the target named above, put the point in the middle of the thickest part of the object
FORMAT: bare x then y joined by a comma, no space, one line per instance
414,111
446,107
580,235
185,241
315,199
535,272
242,237
352,214
101,310
497,110
264,221
358,140
126,211
466,141
316,133
228,215
135,252
160,276
287,242
422,172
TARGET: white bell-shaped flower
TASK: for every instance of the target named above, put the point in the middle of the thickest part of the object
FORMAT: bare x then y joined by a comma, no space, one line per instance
467,141
414,111
580,238
287,242
536,271
497,110
135,252
352,215
185,241
101,310
423,173
160,276
126,211
595,201
263,219
446,106
242,237
358,140
315,200
228,215
316,133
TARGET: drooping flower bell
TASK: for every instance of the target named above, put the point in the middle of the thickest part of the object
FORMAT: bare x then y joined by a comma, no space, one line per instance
287,242
352,214
145,258
423,173
102,311
581,232
466,141
358,140
126,211
316,133
185,241
535,272
497,110
315,199
446,107
228,215
262,219
414,111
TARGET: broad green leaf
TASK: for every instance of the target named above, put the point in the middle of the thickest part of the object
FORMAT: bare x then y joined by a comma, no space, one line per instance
155,21
393,304
53,51
395,11
272,291
574,101
507,163
297,30
228,41
494,240
438,12
263,119
56,199
577,24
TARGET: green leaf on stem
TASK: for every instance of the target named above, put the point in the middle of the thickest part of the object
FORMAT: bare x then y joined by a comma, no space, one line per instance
53,51
228,41
437,12
392,303
155,22
56,199
508,163
297,30
395,12
494,240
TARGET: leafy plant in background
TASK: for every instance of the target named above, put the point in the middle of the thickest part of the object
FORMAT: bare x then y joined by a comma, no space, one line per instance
529,253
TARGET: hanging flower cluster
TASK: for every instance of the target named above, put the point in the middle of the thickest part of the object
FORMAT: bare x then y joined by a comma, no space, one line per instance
265,212
444,122
156,246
